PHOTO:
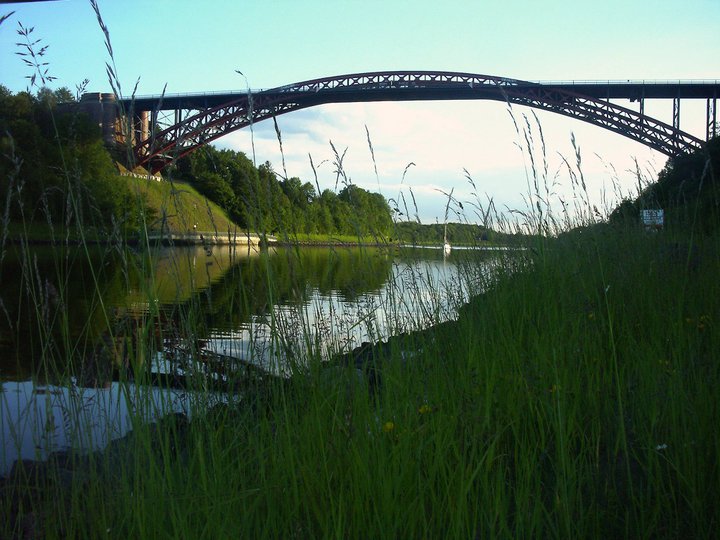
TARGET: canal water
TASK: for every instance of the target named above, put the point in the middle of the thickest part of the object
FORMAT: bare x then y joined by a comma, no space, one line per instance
74,322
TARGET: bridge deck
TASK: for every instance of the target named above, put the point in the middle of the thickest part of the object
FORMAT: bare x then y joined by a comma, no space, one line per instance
632,90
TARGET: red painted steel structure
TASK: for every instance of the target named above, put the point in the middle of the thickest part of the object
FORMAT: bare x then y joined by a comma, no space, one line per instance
230,112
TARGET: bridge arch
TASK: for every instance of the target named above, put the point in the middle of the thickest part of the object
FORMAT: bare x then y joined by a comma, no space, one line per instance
219,115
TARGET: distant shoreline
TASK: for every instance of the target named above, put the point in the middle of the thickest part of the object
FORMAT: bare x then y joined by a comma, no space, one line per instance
42,234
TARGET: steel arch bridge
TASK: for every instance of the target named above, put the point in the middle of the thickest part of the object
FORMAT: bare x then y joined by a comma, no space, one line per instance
201,118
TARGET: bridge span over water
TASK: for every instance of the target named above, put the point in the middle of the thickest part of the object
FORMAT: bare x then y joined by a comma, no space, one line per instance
163,128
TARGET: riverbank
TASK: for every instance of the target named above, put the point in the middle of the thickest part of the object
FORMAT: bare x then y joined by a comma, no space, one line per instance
574,399
42,234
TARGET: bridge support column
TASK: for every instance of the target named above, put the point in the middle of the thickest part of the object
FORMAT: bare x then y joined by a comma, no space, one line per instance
141,126
642,111
676,113
151,128
711,123
103,109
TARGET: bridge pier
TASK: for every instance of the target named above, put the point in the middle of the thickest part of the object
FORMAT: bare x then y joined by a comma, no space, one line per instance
641,99
711,119
105,110
141,126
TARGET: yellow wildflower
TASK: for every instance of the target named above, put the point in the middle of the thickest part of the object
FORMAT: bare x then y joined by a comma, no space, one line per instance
388,427
703,321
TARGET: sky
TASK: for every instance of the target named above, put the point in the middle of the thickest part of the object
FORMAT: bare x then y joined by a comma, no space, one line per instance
427,148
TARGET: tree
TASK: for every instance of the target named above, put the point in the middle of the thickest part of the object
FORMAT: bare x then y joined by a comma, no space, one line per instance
64,95
215,188
371,213
52,98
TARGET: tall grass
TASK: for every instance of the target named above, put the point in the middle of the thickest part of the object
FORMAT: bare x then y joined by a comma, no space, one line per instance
573,398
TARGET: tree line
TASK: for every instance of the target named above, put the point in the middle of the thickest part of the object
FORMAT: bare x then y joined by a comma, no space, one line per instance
257,199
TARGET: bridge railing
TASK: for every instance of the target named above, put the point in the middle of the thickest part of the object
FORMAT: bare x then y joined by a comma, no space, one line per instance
630,81
192,94
559,82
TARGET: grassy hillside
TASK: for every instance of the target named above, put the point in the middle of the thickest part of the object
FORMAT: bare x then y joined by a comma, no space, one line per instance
174,207
179,208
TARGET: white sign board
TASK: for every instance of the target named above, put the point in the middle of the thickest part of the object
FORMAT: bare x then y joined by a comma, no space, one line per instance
653,218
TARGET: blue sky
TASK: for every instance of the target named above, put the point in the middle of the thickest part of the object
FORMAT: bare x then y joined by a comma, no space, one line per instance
198,46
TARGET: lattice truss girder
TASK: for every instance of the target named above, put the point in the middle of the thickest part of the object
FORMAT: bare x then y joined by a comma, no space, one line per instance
205,126
396,80
201,127
647,130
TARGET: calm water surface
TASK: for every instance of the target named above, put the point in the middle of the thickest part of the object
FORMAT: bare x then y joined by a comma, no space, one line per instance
72,322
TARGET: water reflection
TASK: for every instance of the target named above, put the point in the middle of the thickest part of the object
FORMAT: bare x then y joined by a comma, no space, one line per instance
101,316
60,306
75,323
36,420
412,295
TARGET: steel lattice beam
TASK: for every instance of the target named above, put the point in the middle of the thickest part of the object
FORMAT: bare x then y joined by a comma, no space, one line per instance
209,124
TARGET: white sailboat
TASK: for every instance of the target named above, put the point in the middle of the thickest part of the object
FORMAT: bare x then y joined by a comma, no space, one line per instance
446,244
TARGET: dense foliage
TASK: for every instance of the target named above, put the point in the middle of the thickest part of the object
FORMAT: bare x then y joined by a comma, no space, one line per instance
686,189
256,199
53,165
